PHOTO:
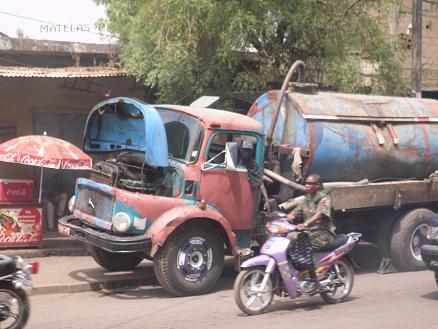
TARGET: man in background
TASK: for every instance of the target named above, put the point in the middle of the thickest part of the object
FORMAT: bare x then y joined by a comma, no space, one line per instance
56,199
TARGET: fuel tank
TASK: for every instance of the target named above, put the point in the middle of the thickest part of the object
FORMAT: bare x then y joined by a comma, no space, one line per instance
352,137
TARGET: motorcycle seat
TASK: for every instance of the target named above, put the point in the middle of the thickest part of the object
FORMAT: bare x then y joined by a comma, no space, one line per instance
338,241
7,265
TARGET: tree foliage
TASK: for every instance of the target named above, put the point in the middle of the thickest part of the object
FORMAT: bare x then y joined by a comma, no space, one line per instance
185,48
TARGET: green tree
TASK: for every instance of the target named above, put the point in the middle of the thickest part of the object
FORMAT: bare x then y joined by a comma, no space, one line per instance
185,48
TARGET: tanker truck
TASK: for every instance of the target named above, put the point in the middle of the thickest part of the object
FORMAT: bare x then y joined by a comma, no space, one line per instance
166,184
378,155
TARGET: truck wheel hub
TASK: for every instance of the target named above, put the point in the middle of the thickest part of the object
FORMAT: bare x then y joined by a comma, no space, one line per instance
418,238
194,259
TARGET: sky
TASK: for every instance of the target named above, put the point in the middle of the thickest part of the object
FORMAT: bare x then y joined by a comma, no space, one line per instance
62,20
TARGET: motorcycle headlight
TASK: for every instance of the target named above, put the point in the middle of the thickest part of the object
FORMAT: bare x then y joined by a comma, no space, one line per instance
121,222
71,203
432,233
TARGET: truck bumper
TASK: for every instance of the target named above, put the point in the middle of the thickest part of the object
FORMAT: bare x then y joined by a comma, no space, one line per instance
72,227
429,254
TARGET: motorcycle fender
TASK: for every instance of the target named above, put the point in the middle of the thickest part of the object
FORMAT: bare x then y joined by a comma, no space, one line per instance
260,260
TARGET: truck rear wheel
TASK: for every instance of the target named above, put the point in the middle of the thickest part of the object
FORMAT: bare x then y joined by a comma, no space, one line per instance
190,262
408,235
115,262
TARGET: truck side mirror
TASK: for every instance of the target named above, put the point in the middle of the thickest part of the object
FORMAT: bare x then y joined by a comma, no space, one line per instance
230,156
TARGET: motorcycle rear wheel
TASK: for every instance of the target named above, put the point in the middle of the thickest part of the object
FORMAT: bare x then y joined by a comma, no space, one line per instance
18,306
245,286
346,285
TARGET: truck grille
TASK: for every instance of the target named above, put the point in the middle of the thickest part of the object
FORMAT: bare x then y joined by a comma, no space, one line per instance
96,203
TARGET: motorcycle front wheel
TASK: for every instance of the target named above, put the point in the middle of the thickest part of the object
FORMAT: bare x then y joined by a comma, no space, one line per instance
14,307
342,284
247,292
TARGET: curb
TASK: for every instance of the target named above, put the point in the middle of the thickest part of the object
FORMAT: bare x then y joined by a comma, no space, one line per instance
37,253
93,286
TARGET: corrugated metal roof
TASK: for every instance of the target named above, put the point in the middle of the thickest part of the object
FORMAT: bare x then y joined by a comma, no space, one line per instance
65,72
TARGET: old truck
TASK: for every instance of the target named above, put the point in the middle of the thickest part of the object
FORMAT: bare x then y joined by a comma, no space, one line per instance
168,187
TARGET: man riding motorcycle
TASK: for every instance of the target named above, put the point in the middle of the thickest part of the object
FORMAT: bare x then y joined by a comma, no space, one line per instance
315,214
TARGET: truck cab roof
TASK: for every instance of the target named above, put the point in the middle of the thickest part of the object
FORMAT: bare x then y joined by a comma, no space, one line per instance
218,119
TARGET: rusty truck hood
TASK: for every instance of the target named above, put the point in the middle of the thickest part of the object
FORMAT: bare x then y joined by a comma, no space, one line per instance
123,123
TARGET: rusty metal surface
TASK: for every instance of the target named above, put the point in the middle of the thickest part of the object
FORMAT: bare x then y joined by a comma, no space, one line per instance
219,119
169,221
349,137
230,193
392,194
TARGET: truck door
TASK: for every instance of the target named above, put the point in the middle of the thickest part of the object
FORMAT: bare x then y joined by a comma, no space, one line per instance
229,190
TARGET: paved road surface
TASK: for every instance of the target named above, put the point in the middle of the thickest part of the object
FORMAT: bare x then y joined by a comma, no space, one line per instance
391,301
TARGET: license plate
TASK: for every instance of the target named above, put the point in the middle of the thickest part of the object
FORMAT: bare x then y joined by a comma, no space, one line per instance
65,230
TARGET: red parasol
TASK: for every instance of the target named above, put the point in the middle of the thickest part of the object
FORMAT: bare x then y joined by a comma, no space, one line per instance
44,151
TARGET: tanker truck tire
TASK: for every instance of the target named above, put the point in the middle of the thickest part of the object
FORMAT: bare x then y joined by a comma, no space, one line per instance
408,235
115,262
190,262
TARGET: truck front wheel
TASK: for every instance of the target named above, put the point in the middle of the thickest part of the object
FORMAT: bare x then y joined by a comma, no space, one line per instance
408,235
115,262
190,262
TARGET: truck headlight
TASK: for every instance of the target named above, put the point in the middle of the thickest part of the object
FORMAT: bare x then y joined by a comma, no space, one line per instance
121,222
71,203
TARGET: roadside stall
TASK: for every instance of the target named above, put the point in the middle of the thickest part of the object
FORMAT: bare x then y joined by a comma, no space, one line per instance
21,217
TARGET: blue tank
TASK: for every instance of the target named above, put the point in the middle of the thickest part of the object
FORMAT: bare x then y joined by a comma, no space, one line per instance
353,137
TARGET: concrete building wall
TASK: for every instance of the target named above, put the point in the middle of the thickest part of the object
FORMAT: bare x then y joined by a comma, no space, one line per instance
21,97
429,42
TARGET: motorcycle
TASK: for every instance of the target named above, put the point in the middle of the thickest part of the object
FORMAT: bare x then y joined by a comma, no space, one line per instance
15,286
271,273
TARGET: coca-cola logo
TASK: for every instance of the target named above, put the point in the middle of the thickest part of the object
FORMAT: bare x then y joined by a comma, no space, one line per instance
44,162
8,157
17,238
16,192
76,164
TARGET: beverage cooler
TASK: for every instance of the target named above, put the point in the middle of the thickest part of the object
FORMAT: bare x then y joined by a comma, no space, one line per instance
20,216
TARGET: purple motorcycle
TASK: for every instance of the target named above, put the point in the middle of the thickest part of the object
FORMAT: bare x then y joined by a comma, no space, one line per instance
271,273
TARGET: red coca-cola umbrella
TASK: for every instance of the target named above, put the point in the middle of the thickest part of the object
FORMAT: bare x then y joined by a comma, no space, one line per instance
45,152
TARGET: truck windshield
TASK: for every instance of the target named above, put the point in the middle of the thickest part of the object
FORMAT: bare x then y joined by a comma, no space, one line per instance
184,135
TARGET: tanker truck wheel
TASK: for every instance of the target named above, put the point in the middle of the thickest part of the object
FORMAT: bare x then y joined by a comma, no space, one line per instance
408,235
115,262
190,262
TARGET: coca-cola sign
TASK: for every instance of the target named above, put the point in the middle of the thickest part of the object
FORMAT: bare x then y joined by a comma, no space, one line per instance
30,233
16,192
76,164
40,162
8,157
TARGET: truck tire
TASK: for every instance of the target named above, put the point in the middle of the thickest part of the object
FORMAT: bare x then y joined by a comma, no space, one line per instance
115,262
190,262
408,235
436,277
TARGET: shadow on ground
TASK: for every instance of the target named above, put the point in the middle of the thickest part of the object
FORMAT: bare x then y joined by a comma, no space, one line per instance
432,295
141,283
